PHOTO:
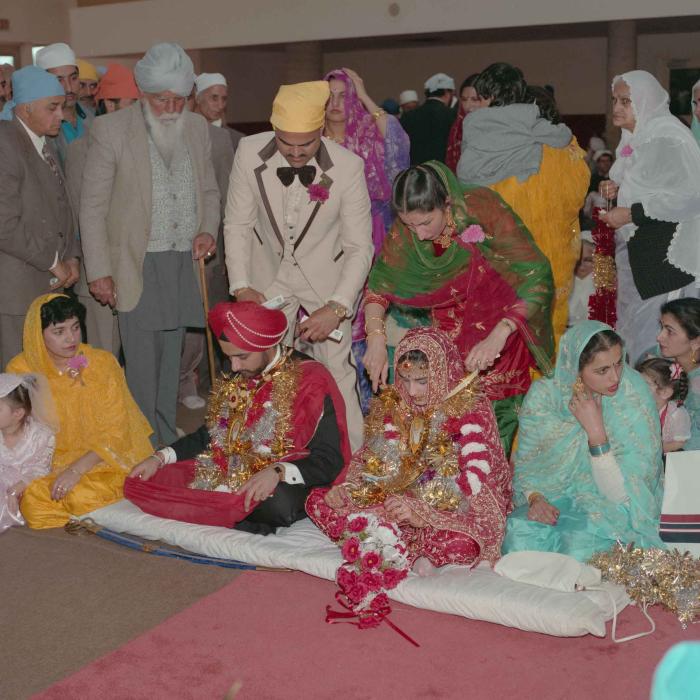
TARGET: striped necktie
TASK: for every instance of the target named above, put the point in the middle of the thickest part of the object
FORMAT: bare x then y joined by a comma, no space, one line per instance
51,162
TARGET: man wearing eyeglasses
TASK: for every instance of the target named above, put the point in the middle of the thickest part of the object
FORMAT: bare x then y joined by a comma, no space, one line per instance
149,207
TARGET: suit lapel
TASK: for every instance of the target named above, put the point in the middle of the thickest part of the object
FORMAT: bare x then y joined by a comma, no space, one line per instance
325,163
41,169
270,189
138,143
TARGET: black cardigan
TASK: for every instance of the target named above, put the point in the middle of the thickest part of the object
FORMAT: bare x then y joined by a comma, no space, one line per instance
648,249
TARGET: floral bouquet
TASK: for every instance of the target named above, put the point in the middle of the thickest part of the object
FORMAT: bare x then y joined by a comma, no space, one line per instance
375,561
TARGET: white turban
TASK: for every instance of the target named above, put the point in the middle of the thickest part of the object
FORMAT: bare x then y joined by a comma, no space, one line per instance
165,67
206,80
55,56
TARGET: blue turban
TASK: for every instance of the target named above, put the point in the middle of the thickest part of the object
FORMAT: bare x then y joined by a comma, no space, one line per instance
29,84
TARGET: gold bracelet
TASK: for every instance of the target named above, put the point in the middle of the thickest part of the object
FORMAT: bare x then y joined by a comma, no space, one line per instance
535,495
376,331
374,318
378,113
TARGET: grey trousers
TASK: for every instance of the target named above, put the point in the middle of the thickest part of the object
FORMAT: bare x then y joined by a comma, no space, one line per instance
152,367
11,328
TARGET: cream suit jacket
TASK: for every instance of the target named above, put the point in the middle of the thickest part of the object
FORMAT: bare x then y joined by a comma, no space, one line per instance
333,245
115,199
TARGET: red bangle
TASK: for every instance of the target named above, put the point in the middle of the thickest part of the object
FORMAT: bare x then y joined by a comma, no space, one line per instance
372,298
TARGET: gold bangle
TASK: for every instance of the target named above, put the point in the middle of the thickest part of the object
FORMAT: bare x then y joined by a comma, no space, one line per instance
378,113
535,495
376,331
374,318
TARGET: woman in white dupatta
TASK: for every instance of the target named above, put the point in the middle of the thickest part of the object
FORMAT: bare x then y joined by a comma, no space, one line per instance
656,178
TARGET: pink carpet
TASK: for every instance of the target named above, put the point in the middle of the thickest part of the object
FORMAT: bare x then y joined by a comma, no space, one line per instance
267,631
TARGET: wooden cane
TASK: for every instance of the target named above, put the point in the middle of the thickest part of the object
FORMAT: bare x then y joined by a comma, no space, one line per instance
205,300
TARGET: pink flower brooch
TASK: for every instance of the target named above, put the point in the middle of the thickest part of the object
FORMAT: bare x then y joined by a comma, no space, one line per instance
473,234
319,191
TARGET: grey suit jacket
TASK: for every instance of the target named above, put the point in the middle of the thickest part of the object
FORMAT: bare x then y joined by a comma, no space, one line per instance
115,198
36,221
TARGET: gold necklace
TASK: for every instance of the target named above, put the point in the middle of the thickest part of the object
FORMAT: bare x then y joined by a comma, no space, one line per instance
444,240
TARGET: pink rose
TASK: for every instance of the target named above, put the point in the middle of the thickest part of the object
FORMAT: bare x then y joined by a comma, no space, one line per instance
346,579
371,560
393,577
626,151
374,582
318,193
381,601
356,592
358,524
473,234
77,362
351,550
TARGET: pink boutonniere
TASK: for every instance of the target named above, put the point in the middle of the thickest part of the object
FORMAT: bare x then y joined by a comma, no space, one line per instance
318,193
626,151
76,365
473,234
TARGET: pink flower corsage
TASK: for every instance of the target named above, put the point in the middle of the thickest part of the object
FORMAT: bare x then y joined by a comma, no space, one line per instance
626,151
473,234
76,365
318,193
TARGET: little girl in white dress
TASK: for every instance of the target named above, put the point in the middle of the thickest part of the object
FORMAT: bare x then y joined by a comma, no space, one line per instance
27,439
669,387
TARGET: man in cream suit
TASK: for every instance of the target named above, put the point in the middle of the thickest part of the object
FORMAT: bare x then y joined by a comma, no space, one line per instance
298,225
149,205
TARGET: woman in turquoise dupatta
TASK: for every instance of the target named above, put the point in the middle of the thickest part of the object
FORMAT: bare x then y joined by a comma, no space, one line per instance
588,487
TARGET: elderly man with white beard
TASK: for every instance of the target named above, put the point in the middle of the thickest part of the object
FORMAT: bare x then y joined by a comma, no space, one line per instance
149,207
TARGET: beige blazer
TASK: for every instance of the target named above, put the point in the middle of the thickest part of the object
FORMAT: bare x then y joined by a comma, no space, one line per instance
334,245
36,221
115,198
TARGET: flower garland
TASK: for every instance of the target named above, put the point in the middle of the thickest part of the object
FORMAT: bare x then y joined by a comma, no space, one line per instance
602,303
248,431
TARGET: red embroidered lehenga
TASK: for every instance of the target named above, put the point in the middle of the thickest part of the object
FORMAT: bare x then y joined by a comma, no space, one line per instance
445,461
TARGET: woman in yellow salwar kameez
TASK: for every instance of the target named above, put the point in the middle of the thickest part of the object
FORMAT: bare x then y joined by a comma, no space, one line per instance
102,433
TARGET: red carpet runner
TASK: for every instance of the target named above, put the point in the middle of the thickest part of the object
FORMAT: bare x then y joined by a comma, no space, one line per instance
267,630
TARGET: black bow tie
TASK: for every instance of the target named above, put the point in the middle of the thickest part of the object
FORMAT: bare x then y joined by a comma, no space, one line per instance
306,174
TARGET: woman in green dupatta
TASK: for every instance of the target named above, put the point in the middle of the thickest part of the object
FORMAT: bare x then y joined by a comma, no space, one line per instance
461,256
588,468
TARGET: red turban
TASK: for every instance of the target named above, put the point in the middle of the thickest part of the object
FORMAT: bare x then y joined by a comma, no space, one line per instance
248,325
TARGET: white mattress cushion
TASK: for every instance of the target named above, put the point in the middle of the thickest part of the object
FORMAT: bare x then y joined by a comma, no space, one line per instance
478,594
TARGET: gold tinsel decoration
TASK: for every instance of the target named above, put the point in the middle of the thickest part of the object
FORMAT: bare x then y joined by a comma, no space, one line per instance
233,392
604,271
651,576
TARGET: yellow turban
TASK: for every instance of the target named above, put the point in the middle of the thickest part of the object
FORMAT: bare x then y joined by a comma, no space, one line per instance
300,108
86,71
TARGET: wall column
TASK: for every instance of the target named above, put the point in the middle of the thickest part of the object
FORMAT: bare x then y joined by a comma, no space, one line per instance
304,62
622,57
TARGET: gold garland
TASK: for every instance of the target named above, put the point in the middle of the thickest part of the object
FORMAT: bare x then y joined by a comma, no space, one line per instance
231,395
653,576
604,271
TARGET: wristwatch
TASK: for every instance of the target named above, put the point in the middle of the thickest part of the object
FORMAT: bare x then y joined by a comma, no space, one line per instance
338,309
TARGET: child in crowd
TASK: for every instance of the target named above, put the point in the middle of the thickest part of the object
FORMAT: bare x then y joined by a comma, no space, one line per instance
669,387
584,286
26,441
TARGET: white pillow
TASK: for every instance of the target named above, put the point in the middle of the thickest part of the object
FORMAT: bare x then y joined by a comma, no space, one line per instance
548,569
478,594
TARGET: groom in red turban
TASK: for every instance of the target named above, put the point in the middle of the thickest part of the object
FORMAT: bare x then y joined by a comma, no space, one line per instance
275,429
